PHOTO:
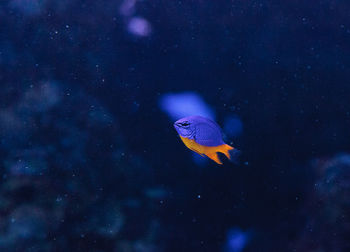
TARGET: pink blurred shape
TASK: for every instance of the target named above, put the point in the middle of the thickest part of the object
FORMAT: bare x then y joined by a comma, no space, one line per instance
127,8
139,26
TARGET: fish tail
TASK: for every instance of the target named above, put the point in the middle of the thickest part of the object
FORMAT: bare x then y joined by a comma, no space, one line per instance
226,149
230,152
214,156
235,155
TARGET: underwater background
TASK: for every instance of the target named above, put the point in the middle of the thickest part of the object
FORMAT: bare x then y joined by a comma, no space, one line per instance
89,158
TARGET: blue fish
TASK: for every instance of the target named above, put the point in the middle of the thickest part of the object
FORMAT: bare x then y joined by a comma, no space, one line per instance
203,136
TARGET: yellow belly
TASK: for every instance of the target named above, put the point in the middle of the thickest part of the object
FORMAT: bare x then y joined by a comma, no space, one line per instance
209,151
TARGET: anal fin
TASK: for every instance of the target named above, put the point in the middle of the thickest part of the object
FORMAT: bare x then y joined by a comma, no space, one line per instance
196,151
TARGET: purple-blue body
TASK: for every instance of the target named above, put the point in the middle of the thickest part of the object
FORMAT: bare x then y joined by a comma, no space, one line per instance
200,129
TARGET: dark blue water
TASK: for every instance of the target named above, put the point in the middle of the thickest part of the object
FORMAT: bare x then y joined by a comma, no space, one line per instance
89,158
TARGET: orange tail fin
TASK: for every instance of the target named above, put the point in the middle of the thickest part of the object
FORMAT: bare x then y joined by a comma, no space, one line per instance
233,154
214,156
225,148
230,152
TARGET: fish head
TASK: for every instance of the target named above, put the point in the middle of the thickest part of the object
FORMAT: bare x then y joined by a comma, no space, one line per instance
185,128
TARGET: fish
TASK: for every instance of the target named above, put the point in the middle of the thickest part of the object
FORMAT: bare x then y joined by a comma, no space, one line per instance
204,137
